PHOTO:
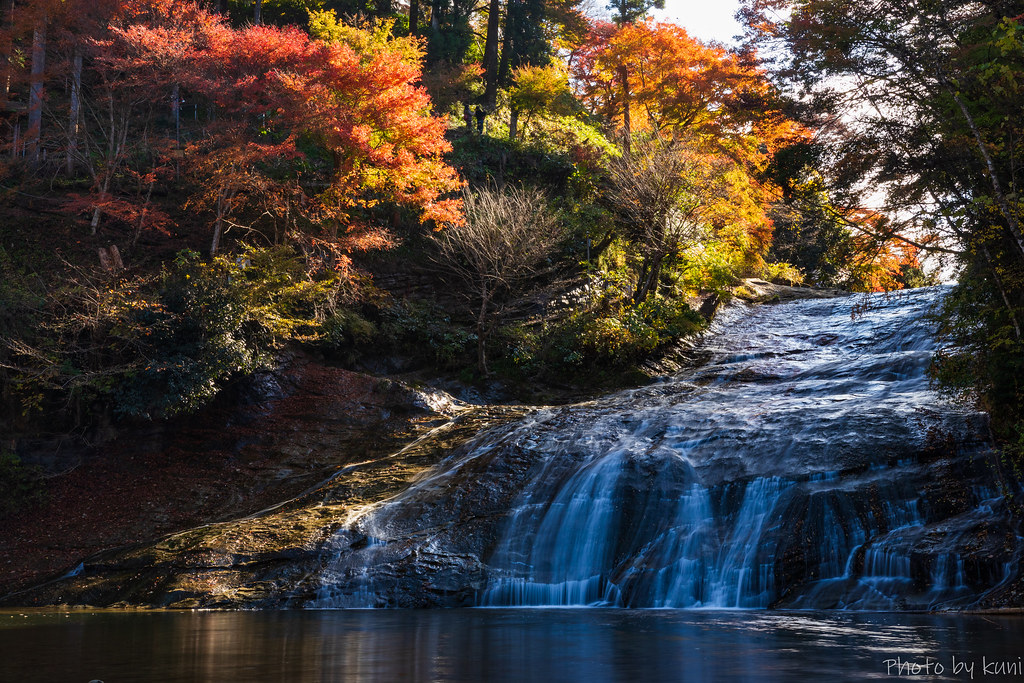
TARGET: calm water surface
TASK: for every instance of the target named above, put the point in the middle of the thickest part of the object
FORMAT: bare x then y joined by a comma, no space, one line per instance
590,645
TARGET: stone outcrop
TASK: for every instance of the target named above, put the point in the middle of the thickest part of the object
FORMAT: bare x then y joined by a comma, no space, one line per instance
761,291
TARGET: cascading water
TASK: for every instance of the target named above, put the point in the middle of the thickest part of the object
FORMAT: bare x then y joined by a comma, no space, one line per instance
808,464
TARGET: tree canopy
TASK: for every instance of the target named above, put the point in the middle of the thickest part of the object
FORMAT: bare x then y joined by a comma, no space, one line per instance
624,159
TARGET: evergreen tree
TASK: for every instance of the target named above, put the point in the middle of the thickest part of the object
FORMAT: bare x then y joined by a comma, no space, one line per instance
628,11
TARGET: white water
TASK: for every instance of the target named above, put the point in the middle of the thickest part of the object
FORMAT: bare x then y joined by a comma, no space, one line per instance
807,464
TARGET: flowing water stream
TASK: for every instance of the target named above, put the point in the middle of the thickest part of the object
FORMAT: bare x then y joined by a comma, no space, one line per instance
807,464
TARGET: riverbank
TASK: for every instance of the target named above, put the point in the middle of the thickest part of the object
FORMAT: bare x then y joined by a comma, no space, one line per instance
266,443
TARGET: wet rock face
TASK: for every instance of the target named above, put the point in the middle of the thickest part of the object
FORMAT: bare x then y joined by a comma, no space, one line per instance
276,558
807,465
262,442
755,290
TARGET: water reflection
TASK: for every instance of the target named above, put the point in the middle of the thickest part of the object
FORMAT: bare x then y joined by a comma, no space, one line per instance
592,645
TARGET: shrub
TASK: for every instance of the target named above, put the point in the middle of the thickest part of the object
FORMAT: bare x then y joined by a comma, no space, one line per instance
166,344
195,331
599,339
207,322
782,274
423,331
19,484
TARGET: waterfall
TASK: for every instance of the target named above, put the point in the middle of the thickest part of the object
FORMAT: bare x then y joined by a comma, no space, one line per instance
807,464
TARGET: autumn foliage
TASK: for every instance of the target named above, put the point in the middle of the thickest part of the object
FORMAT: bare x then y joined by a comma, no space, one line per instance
719,109
315,132
672,81
651,162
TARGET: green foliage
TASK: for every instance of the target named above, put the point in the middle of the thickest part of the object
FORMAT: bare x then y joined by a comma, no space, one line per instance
279,294
425,332
20,485
207,322
525,43
809,234
712,267
614,340
348,329
984,355
279,12
782,273
299,12
912,276
576,139
415,331
633,333
368,40
521,347
196,331
452,37
626,11
600,338
450,85
542,89
981,319
481,160
20,297
167,344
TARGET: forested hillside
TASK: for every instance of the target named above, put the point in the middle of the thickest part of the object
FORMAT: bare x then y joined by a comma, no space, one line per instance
509,190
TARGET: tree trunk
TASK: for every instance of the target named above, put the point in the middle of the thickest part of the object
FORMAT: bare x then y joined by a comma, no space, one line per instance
414,17
435,19
117,141
1004,207
621,12
176,111
481,332
35,96
491,55
650,275
7,21
508,46
513,123
218,225
74,116
218,228
145,209
97,212
257,12
601,246
627,125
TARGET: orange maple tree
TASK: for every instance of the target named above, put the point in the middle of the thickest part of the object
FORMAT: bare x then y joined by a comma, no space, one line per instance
657,77
718,105
276,91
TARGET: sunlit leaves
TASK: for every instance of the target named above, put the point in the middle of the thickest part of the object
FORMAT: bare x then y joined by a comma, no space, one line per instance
717,105
351,89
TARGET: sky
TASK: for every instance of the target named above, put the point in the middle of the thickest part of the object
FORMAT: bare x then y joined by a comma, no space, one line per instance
703,19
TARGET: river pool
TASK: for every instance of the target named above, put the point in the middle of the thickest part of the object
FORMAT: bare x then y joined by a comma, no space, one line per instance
589,645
